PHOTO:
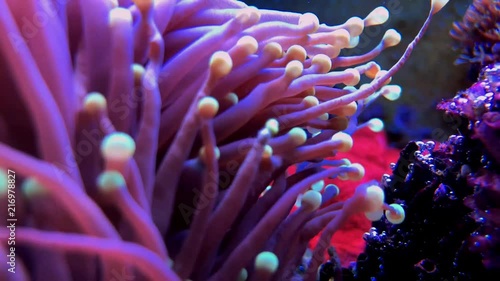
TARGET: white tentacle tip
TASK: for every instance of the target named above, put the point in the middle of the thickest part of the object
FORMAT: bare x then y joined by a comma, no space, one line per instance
118,147
437,5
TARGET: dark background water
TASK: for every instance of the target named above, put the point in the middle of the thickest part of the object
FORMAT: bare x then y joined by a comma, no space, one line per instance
428,77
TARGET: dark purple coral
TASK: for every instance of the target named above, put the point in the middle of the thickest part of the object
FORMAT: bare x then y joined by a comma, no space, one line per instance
479,104
431,185
451,194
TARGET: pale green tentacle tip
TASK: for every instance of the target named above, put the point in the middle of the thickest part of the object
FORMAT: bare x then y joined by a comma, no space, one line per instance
345,141
311,200
355,172
94,102
345,162
208,107
395,214
31,187
268,152
391,92
273,126
203,153
358,172
3,181
267,261
298,136
220,64
294,69
391,38
243,275
118,146
376,125
110,180
318,186
139,72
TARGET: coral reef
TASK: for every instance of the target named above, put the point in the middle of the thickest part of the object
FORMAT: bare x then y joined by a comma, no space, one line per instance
477,35
449,191
138,138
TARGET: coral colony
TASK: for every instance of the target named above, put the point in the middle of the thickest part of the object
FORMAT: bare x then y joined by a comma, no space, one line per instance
450,190
477,36
138,138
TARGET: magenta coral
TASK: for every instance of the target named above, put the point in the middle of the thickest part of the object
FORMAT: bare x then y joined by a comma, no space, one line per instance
143,136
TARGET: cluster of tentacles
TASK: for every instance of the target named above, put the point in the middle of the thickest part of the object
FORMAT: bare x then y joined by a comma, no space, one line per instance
150,140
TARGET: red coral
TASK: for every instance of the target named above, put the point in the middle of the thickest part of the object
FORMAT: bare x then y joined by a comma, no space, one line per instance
371,150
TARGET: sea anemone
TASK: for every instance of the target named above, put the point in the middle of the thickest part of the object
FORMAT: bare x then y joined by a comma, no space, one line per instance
138,139
478,34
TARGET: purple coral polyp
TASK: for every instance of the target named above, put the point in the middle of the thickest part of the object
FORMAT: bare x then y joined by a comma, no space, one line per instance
143,133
